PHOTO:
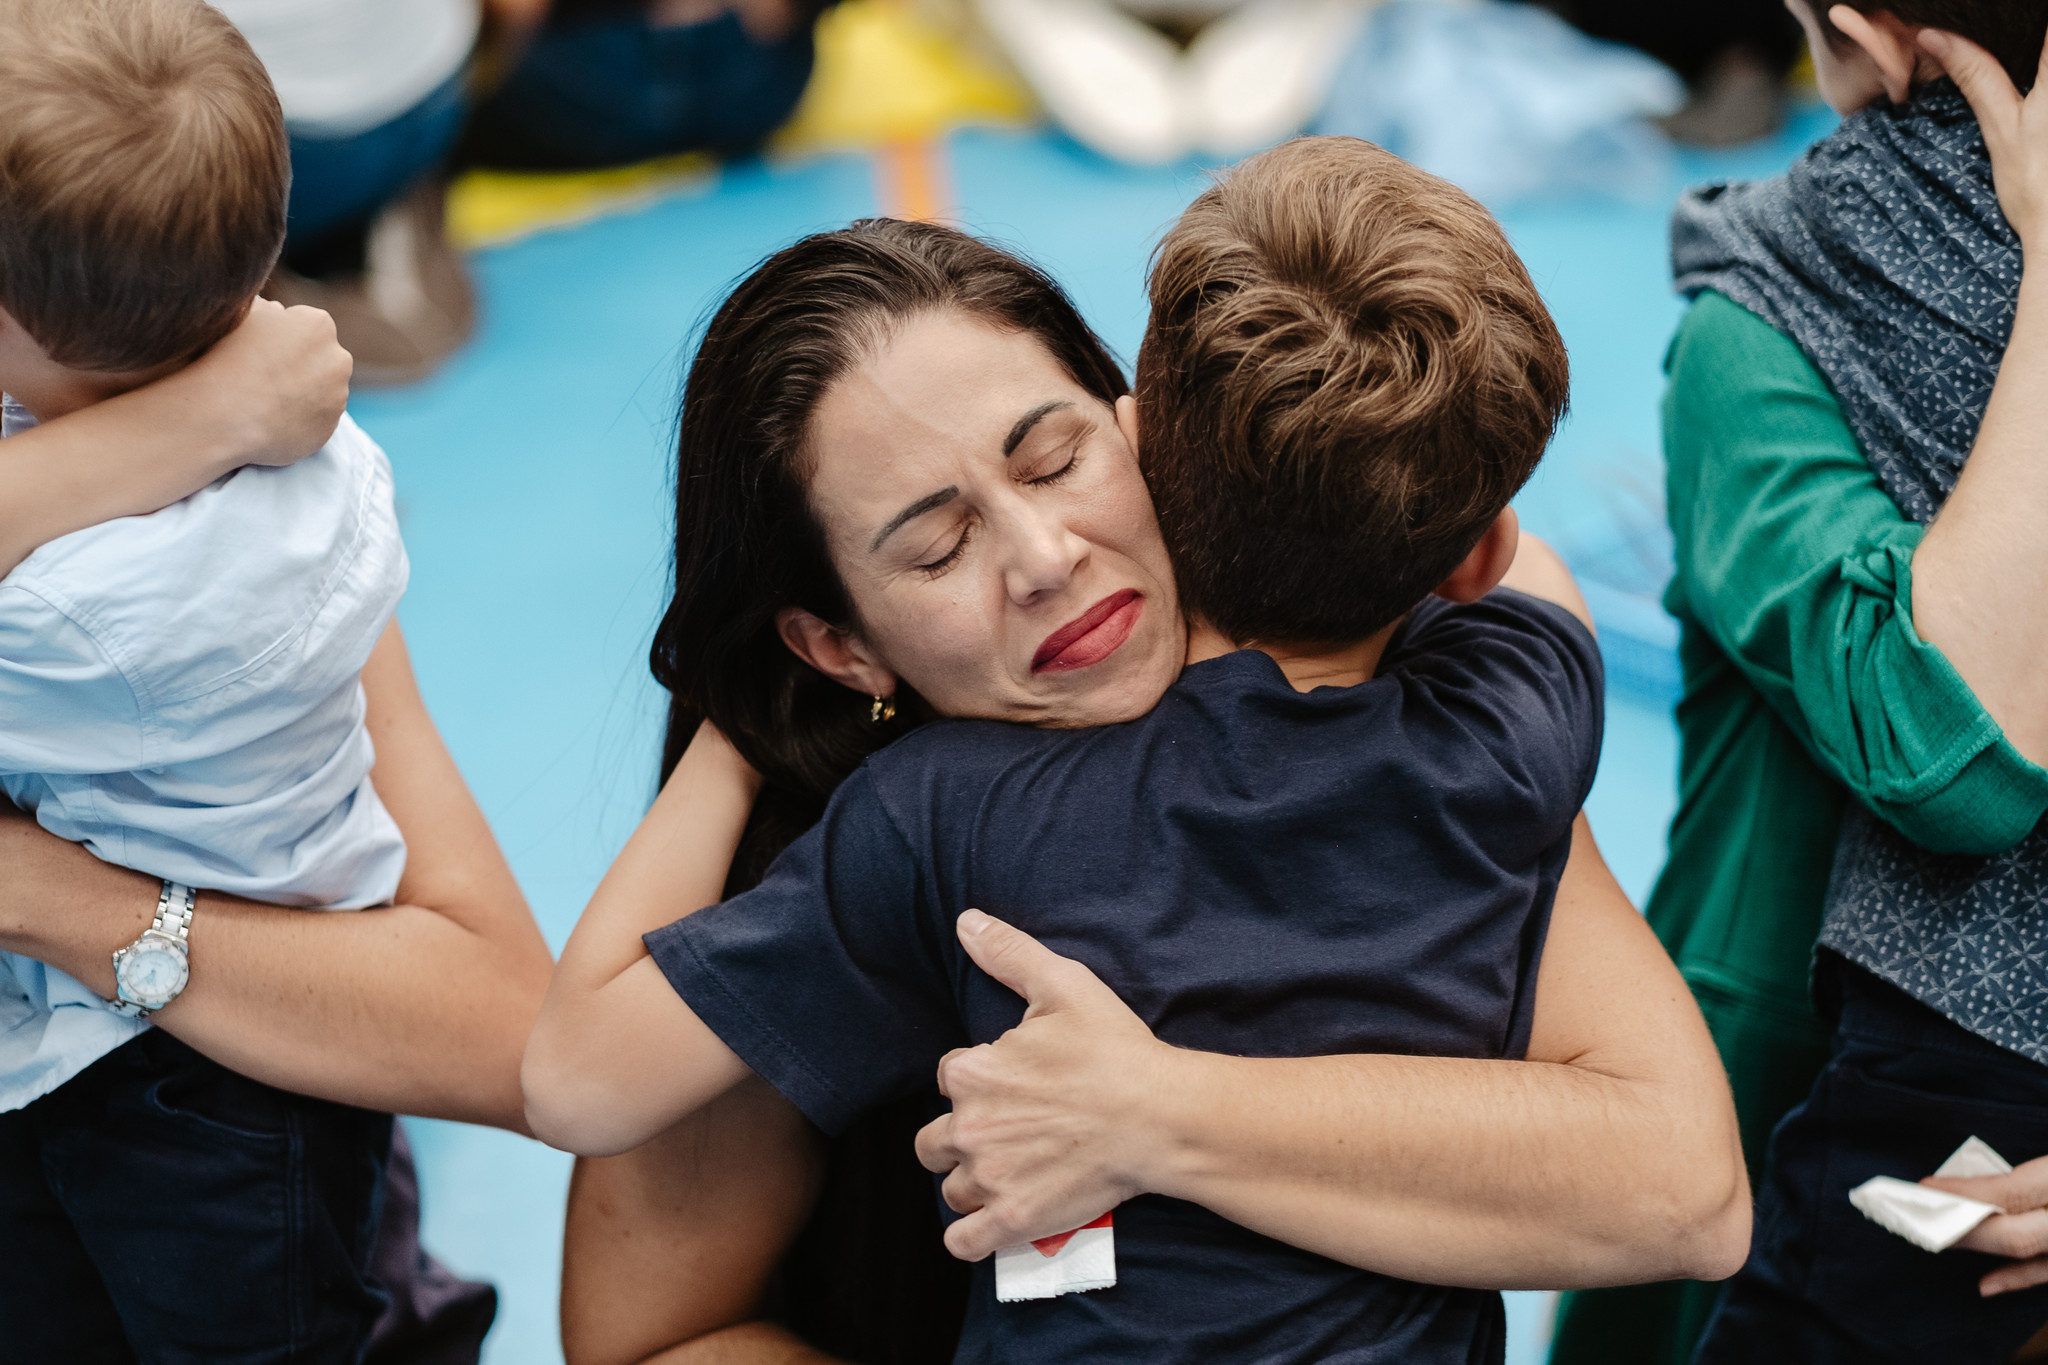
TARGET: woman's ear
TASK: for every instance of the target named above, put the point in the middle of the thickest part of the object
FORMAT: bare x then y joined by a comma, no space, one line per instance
1891,44
1127,420
836,652
1480,572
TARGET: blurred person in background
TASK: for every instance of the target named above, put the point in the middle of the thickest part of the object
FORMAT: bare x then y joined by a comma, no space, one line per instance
606,82
375,93
1733,54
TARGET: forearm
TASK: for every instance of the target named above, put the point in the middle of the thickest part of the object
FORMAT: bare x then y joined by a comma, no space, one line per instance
749,1343
420,1007
616,1055
669,1248
1981,573
400,1008
123,457
1485,1173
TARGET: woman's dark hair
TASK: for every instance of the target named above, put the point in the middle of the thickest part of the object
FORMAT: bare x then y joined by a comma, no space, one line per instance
747,542
869,1279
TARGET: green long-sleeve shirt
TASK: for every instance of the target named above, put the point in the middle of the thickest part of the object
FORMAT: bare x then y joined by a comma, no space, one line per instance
1804,682
1804,686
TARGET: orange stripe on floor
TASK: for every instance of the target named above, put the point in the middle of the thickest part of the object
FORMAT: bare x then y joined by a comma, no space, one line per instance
911,180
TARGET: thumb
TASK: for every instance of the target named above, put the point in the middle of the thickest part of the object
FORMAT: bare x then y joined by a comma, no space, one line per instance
1978,74
1019,961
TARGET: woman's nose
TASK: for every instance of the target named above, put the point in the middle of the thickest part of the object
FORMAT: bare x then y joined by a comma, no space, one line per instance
1044,556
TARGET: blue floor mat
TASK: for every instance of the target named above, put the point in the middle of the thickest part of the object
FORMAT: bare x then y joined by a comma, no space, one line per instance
533,486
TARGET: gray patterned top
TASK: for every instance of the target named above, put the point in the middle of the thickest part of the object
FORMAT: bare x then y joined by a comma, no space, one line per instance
1883,254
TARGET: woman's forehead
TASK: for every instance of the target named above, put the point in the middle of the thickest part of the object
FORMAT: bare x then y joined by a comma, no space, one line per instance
941,385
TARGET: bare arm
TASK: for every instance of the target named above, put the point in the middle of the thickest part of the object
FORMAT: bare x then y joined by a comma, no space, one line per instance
421,1007
617,1056
1980,574
669,1247
270,392
1610,1156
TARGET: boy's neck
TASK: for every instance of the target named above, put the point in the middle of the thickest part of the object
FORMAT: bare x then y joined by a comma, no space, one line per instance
1307,666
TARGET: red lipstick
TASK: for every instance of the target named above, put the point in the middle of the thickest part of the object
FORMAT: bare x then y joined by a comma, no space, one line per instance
1092,636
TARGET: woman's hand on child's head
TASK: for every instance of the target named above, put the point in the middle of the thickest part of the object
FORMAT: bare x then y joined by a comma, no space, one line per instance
1046,1130
281,378
2015,128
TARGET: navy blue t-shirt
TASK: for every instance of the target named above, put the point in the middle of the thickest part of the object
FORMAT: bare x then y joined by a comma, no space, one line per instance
1254,870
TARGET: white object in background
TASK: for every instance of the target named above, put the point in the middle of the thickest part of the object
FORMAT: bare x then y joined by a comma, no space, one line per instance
1931,1219
1068,1263
1108,79
344,66
1259,73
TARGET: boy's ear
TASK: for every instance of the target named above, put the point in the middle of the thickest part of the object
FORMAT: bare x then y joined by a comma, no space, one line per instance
1481,570
836,652
1892,45
1127,420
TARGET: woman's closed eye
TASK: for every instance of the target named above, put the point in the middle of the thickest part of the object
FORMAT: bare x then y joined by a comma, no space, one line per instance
934,568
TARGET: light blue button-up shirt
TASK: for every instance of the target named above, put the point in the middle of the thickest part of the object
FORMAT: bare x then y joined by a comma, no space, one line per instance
180,693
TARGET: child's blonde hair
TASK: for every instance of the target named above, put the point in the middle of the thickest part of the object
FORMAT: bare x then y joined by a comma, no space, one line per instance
143,176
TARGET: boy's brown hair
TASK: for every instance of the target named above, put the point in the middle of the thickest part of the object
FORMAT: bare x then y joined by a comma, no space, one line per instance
2010,30
143,175
1346,376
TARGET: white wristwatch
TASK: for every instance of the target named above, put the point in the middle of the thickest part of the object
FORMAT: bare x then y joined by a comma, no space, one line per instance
149,973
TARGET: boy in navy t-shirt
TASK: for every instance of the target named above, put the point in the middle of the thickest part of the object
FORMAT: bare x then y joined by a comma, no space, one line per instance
1346,377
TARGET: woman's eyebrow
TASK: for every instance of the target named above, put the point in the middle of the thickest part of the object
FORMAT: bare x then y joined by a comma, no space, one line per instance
1028,421
913,512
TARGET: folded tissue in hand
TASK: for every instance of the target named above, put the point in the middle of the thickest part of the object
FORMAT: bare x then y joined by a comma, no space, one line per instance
1929,1218
1065,1263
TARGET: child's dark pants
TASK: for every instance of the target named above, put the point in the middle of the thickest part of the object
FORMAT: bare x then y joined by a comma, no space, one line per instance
1823,1284
159,1208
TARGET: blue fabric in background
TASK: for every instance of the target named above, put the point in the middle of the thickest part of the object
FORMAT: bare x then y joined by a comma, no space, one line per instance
339,184
1507,100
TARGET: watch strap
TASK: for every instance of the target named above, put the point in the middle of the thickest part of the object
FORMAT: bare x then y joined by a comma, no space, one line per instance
174,911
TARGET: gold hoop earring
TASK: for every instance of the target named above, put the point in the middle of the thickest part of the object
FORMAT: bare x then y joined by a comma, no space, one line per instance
883,711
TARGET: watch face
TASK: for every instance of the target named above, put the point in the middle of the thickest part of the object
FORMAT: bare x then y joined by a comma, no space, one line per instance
153,974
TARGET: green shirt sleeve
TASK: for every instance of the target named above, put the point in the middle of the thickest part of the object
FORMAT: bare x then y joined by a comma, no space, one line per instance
1796,562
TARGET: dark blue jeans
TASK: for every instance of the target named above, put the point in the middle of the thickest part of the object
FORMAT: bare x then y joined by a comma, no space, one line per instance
340,183
608,90
1825,1286
160,1208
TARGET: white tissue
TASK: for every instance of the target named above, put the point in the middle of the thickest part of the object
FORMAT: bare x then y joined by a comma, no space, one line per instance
1932,1219
1069,1263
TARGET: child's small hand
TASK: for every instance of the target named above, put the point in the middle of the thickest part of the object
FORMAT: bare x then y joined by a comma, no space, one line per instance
2015,129
281,378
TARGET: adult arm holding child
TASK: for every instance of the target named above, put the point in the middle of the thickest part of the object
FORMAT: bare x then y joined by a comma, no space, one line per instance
330,1005
1609,1155
270,392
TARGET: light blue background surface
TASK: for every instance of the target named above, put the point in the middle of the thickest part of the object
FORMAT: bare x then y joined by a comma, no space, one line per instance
533,486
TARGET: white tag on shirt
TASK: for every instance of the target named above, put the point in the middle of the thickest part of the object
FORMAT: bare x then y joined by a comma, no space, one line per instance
1067,1263
1931,1219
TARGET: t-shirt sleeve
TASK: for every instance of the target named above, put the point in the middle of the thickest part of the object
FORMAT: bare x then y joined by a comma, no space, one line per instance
65,705
1798,565
827,978
1520,680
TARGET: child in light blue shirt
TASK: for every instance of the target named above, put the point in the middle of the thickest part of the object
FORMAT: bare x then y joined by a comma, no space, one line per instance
180,693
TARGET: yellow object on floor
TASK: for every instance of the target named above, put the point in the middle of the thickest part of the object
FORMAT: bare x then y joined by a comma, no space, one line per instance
487,207
884,77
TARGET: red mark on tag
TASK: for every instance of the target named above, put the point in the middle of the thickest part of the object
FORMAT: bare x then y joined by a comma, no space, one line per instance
1052,1246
